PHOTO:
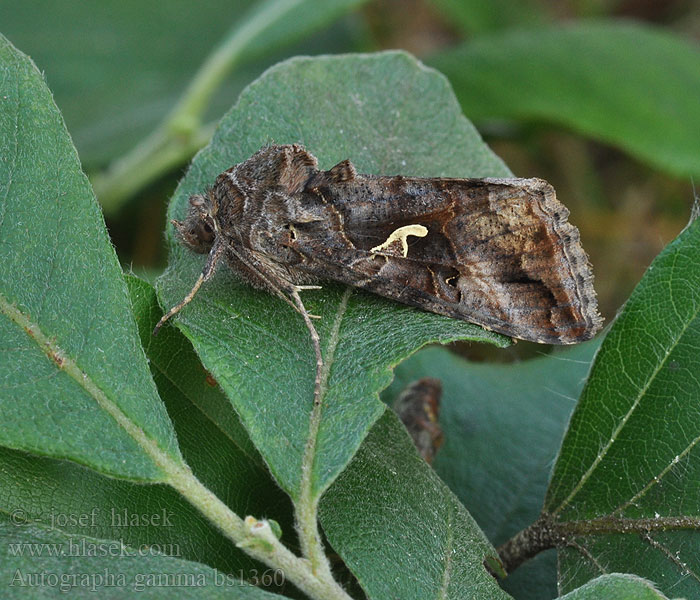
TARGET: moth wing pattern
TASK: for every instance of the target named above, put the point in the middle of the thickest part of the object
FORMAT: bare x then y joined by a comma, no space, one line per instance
497,252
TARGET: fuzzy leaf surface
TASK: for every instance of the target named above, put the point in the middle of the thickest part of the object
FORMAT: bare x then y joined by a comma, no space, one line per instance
400,529
616,586
74,378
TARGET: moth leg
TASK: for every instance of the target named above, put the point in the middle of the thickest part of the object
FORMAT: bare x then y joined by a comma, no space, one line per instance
209,268
280,286
260,275
300,288
315,340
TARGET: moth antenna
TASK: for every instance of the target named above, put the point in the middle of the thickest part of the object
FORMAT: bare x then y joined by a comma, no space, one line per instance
214,256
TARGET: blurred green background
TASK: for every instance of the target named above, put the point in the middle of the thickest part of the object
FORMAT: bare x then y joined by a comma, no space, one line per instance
599,97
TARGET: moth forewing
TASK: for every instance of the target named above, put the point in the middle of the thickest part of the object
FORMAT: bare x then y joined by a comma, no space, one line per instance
497,252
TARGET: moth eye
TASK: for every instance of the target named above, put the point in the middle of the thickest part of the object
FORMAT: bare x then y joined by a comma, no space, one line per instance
204,233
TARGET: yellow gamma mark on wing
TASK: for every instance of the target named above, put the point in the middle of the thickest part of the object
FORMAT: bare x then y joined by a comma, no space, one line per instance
400,236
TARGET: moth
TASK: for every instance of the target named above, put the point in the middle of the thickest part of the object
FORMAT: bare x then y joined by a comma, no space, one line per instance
496,252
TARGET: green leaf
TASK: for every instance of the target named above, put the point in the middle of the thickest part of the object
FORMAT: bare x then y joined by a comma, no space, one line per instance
212,439
89,54
476,16
626,84
185,386
74,376
389,114
58,493
616,586
503,425
629,464
40,562
399,528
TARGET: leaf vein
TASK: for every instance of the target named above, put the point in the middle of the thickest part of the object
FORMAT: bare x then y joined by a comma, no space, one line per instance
627,416
449,549
168,464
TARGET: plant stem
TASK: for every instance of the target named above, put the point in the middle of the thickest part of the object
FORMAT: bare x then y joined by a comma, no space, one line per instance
527,543
182,133
546,533
222,60
263,546
157,154
254,537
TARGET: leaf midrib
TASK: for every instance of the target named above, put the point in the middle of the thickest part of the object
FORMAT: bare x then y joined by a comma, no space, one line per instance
309,457
166,463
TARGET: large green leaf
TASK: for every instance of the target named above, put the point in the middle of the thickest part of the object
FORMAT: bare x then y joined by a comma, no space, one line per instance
389,114
399,528
41,562
185,386
503,424
57,493
616,587
74,378
629,468
89,51
212,439
626,84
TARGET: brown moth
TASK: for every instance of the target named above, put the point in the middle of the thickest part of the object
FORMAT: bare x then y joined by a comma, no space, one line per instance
496,252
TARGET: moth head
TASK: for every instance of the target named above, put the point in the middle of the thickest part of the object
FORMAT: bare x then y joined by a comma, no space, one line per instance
199,229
